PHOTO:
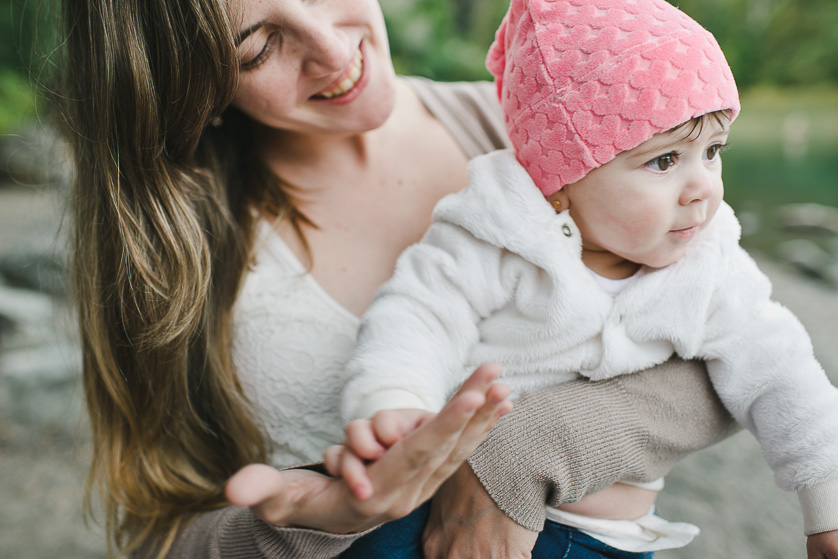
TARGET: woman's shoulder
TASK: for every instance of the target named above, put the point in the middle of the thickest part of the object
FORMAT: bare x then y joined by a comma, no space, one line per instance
470,111
479,91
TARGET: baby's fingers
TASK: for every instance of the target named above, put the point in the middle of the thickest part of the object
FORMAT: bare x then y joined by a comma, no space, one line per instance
332,460
361,438
354,472
341,462
391,426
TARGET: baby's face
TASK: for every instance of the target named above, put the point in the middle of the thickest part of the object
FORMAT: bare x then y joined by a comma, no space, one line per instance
647,205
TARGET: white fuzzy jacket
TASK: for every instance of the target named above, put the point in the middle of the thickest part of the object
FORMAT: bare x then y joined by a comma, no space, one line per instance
499,277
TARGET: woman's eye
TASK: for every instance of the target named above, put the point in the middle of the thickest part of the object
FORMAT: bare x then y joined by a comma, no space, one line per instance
263,54
715,150
663,163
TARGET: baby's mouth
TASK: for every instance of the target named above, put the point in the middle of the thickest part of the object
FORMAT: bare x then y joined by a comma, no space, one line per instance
686,232
348,82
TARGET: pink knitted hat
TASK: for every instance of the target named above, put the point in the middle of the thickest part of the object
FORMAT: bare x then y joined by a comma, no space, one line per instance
582,80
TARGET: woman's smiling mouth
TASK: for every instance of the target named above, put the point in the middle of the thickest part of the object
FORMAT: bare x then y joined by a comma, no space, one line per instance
345,83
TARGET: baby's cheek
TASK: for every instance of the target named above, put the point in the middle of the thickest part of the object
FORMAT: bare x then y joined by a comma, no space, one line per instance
643,229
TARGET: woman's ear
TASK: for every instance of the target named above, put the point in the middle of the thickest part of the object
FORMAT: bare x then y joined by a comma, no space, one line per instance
559,200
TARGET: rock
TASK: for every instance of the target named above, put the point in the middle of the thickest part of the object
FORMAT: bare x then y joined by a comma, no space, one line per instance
34,156
28,313
809,216
39,361
810,259
42,386
42,272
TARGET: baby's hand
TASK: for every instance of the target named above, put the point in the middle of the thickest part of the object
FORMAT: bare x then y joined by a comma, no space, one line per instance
366,441
823,545
369,438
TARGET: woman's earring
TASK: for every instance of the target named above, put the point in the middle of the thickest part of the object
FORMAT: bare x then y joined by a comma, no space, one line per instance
557,205
217,121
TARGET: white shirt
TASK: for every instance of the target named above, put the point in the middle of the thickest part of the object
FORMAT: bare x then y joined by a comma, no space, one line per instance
291,342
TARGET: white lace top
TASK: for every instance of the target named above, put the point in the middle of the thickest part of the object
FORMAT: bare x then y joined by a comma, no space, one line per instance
292,339
291,342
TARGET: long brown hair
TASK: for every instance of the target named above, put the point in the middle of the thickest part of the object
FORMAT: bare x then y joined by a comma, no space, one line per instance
164,205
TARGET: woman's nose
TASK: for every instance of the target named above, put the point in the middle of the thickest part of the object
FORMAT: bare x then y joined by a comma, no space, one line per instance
326,49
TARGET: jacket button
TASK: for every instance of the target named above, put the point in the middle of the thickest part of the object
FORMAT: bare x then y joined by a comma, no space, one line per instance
566,230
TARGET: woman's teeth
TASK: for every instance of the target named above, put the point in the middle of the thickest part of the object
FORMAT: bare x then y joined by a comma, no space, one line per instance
348,82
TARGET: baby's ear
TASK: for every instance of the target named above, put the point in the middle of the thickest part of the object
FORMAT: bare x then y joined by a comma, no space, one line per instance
559,200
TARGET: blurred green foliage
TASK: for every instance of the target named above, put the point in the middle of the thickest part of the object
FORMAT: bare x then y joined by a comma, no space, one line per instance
767,42
17,100
27,37
442,39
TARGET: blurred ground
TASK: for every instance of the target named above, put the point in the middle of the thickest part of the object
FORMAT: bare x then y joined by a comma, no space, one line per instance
727,490
42,437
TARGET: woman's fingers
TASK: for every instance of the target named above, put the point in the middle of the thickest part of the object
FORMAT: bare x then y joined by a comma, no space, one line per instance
474,409
288,497
482,377
406,475
254,484
332,459
497,405
264,490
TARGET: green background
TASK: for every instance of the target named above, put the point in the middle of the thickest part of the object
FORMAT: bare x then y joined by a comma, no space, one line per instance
784,54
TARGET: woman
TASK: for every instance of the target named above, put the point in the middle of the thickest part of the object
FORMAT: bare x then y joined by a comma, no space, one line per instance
247,172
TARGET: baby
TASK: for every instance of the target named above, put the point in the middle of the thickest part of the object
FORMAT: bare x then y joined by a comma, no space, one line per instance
601,246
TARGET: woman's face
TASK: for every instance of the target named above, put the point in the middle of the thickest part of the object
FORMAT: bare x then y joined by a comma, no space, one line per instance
314,66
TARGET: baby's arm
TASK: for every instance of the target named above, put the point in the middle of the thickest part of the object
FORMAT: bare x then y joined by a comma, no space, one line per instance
415,337
576,438
762,365
573,439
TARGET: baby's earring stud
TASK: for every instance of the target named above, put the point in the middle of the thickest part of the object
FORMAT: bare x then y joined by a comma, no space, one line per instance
557,204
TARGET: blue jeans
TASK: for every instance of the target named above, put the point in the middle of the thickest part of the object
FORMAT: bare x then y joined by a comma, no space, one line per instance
399,539
402,539
559,541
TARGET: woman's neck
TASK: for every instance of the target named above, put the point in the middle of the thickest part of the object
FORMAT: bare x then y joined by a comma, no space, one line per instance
303,159
367,212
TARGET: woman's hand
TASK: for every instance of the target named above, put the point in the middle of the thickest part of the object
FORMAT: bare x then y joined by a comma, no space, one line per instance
466,523
823,545
405,476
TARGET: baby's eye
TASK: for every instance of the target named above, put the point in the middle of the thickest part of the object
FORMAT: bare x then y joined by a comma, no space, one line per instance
715,150
664,162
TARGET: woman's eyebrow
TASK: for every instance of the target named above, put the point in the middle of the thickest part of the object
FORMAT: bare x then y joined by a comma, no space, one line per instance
247,32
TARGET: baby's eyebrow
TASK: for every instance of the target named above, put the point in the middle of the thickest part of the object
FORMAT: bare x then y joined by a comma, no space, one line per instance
655,150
